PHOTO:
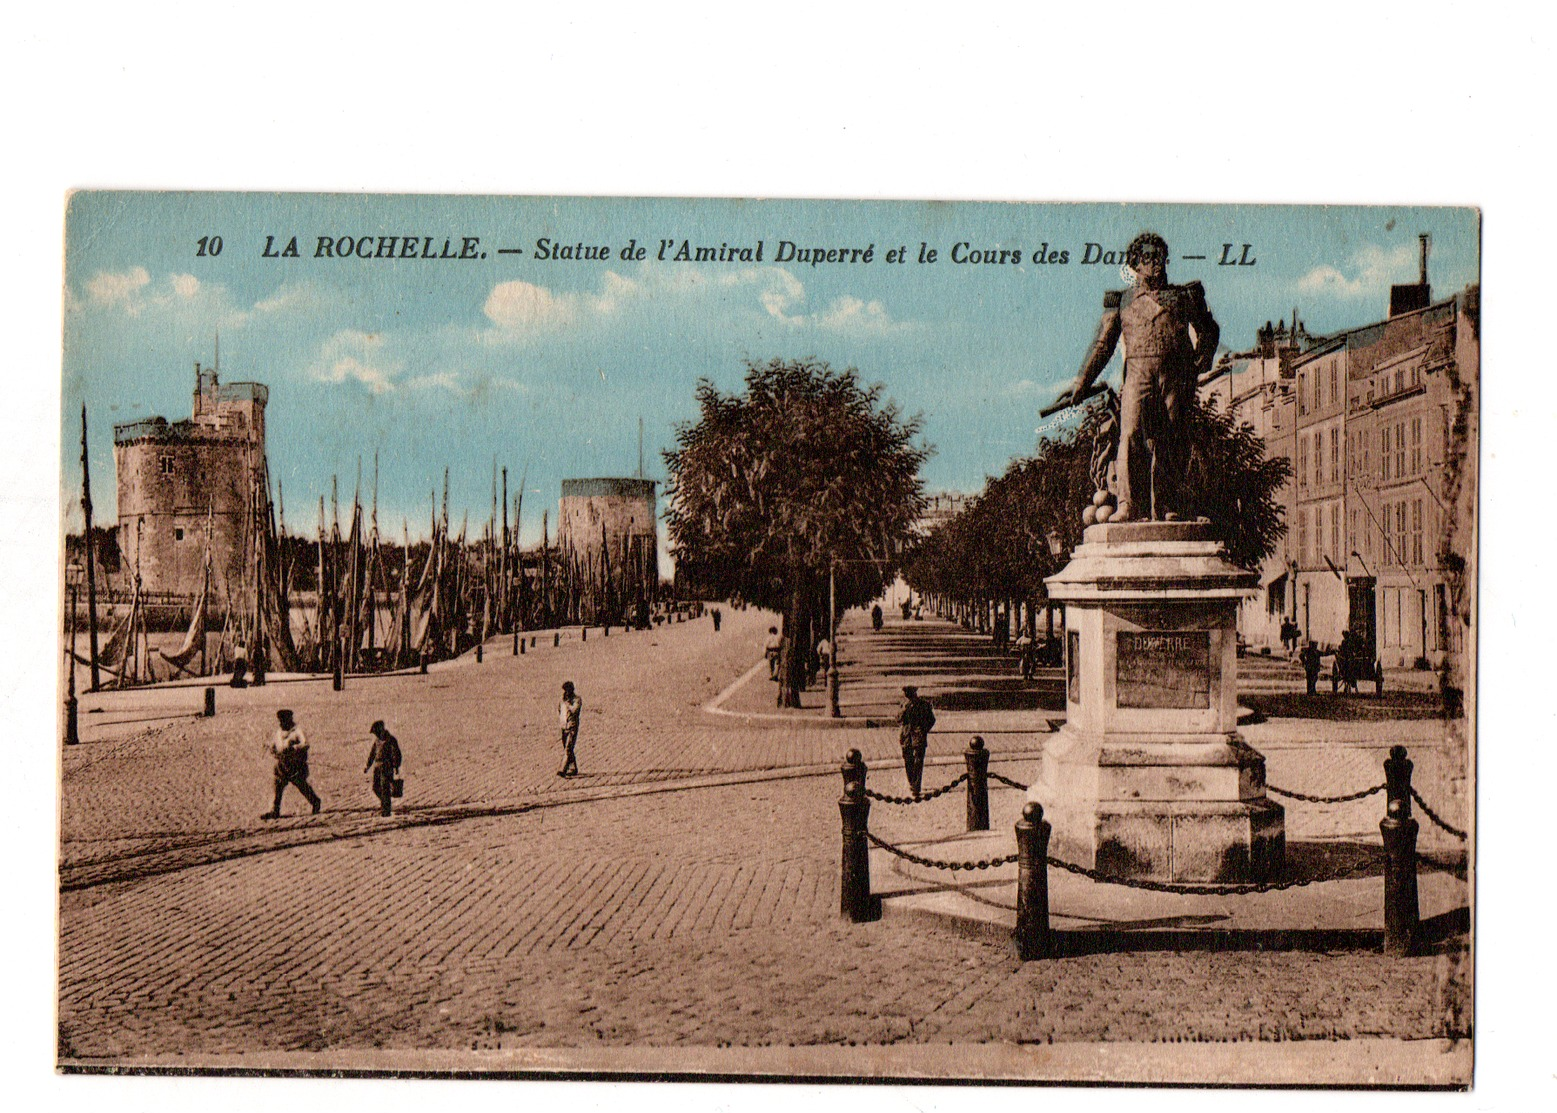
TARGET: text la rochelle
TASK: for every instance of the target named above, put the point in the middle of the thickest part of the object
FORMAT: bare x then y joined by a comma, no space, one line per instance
378,247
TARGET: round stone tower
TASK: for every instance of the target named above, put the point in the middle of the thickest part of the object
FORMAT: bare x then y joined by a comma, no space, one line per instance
176,476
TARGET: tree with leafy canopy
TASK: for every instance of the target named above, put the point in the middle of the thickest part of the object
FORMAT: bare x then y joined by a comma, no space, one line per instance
807,473
997,547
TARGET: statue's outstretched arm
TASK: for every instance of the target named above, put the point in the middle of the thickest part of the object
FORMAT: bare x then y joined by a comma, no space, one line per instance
1101,352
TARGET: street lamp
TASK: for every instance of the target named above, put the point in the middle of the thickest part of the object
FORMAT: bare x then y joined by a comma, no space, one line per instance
73,574
1056,550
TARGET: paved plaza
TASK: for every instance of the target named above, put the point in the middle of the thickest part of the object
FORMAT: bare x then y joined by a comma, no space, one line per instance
682,893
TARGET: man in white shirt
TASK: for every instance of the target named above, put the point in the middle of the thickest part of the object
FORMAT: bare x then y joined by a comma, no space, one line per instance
568,713
289,746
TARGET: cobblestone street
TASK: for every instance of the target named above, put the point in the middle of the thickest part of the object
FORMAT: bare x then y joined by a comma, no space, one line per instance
683,892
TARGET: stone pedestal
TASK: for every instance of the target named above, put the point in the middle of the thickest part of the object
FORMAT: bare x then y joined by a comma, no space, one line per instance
1149,777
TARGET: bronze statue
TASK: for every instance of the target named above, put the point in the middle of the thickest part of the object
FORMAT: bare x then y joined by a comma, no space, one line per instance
1169,341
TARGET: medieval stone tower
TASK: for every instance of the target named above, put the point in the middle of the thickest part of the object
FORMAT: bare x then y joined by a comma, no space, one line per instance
174,477
606,529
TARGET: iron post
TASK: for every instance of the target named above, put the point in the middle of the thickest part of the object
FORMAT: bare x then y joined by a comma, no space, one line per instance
977,758
1399,830
1033,937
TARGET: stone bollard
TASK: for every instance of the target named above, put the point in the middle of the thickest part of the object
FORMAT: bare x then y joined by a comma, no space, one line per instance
518,644
977,758
521,647
532,641
338,678
1033,937
583,633
832,693
556,639
607,631
210,703
1399,829
855,902
72,728
422,665
478,653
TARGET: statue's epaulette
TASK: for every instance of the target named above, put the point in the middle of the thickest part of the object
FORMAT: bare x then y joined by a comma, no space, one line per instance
1112,298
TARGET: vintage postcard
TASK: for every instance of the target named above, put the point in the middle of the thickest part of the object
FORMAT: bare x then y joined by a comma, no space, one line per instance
829,640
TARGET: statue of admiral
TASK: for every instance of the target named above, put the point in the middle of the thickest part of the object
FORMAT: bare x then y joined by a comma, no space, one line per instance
1169,339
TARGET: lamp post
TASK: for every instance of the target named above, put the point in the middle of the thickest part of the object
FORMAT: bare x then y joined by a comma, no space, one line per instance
1056,550
832,640
73,574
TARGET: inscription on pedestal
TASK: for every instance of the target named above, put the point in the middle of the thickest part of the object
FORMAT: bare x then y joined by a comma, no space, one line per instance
1163,669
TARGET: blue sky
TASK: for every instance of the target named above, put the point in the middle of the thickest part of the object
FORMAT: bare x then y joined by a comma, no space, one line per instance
548,365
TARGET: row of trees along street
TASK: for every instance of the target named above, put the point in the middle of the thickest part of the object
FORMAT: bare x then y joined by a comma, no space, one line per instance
993,555
806,480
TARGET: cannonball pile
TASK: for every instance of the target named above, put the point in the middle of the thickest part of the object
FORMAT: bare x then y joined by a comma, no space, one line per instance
1101,509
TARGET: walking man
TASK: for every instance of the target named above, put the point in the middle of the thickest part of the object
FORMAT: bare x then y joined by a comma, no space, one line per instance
771,649
384,760
915,718
1310,661
289,745
568,712
718,618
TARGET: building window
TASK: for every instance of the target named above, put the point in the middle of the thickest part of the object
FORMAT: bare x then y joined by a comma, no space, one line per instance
1416,446
1319,459
1302,393
1367,453
1400,380
1335,531
1302,538
165,465
1335,455
1400,531
1384,452
1400,449
1416,531
1302,463
1335,390
1367,536
178,535
1351,536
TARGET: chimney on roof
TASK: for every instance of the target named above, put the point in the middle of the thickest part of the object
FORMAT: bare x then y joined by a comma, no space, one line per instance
1407,299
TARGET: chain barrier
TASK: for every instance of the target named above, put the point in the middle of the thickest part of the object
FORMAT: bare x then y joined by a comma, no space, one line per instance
1018,785
981,864
1211,889
920,799
1432,815
1325,799
1456,869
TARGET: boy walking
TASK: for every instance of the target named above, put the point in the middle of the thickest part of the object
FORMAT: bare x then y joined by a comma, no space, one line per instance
384,760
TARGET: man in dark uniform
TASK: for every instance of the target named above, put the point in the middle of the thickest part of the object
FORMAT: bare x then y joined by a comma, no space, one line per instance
915,718
384,760
1310,660
1170,340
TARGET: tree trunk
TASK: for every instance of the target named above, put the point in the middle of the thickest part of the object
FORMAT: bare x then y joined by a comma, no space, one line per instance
792,657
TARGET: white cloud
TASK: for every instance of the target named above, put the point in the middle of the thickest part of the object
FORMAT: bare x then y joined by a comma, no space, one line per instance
1369,272
105,288
519,306
183,297
355,356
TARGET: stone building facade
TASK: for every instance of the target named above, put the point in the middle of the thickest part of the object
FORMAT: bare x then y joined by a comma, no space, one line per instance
177,479
1378,423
